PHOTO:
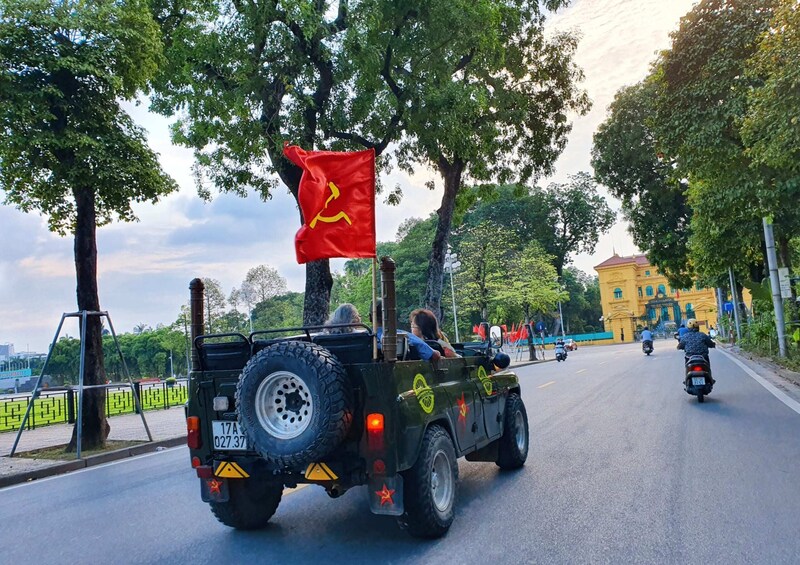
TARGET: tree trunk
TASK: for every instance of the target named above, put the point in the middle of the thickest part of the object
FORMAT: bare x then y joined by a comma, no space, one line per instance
95,425
318,292
452,184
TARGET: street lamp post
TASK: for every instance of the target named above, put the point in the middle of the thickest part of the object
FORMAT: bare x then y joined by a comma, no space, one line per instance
452,263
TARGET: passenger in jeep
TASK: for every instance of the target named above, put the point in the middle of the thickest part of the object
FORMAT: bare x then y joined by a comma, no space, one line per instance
415,344
345,314
425,325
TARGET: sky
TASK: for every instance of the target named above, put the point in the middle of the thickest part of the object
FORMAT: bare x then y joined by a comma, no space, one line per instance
144,268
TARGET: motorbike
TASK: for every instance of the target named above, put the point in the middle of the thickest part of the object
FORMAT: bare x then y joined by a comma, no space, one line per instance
698,381
561,353
647,347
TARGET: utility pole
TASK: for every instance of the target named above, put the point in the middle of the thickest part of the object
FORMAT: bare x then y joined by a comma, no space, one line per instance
735,300
777,300
452,262
171,366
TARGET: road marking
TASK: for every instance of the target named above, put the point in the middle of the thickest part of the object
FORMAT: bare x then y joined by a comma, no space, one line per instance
581,371
603,363
93,468
546,384
780,395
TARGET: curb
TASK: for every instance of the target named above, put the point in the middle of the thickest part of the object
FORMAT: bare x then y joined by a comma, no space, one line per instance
67,466
527,363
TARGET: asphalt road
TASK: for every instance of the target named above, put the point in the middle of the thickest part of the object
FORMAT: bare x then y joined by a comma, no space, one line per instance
624,467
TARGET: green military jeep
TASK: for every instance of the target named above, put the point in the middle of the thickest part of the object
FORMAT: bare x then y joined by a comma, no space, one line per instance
270,410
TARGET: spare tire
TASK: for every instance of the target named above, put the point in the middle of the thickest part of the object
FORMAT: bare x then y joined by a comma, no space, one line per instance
294,402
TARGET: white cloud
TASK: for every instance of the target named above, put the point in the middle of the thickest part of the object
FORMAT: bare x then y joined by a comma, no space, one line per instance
145,267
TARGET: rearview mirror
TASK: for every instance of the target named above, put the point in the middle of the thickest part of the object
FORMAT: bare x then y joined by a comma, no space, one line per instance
496,336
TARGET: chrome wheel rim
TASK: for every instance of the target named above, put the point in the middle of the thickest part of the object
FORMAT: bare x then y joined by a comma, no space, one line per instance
442,482
283,404
520,436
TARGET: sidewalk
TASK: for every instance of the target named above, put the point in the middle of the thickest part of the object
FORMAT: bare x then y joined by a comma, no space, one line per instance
168,427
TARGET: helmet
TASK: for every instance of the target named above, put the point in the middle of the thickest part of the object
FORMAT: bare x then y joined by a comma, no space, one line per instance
692,324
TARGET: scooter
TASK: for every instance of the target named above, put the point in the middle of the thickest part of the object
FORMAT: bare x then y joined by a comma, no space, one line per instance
647,347
698,381
561,353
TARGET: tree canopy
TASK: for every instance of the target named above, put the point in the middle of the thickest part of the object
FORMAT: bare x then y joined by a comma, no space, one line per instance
68,149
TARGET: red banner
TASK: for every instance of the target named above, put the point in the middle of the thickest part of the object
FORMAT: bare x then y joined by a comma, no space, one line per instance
337,199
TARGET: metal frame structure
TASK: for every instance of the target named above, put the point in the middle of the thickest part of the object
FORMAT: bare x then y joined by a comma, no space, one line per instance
83,315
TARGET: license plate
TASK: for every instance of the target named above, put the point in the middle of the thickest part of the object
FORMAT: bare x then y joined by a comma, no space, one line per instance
228,436
698,381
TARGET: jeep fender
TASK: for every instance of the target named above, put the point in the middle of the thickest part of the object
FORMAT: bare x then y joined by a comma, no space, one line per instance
409,440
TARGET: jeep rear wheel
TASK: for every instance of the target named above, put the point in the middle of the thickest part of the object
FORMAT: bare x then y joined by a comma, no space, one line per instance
294,403
513,446
430,486
252,503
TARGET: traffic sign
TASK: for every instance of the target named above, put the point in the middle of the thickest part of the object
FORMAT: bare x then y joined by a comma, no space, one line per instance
728,307
785,282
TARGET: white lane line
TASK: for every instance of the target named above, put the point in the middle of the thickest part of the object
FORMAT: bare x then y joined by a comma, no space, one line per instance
581,371
603,363
93,468
777,393
546,384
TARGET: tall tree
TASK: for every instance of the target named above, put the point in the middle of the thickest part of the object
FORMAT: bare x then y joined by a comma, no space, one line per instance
262,283
703,98
246,76
497,110
771,129
68,149
486,254
578,215
626,159
532,282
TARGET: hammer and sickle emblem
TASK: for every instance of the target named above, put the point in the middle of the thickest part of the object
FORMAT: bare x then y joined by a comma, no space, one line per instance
330,219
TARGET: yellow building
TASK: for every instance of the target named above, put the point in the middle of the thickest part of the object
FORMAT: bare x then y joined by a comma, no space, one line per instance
634,295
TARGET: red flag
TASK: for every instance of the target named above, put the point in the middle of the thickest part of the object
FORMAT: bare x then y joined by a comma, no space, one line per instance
337,199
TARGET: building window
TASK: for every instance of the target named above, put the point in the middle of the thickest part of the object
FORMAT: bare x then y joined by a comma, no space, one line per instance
662,289
649,291
689,310
640,292
617,293
647,273
671,290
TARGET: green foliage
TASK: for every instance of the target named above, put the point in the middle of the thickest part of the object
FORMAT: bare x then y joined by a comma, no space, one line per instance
530,282
281,311
577,214
626,159
66,67
146,354
771,128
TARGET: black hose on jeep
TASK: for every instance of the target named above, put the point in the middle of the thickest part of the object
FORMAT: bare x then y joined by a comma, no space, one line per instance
295,403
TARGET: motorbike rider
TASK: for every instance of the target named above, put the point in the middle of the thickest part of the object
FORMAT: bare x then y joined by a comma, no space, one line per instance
695,342
682,331
647,337
560,347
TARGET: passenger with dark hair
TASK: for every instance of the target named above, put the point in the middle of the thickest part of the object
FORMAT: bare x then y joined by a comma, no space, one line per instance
425,325
417,345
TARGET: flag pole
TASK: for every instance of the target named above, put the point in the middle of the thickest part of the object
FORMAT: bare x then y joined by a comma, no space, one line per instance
375,306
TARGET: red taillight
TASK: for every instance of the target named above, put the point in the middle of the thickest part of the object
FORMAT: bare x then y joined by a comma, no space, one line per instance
375,431
193,432
195,462
697,369
205,472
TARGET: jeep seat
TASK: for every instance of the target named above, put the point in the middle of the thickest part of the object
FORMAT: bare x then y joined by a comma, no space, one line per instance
223,355
349,348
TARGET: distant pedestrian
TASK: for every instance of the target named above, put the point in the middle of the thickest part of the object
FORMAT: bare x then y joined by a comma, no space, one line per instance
712,333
